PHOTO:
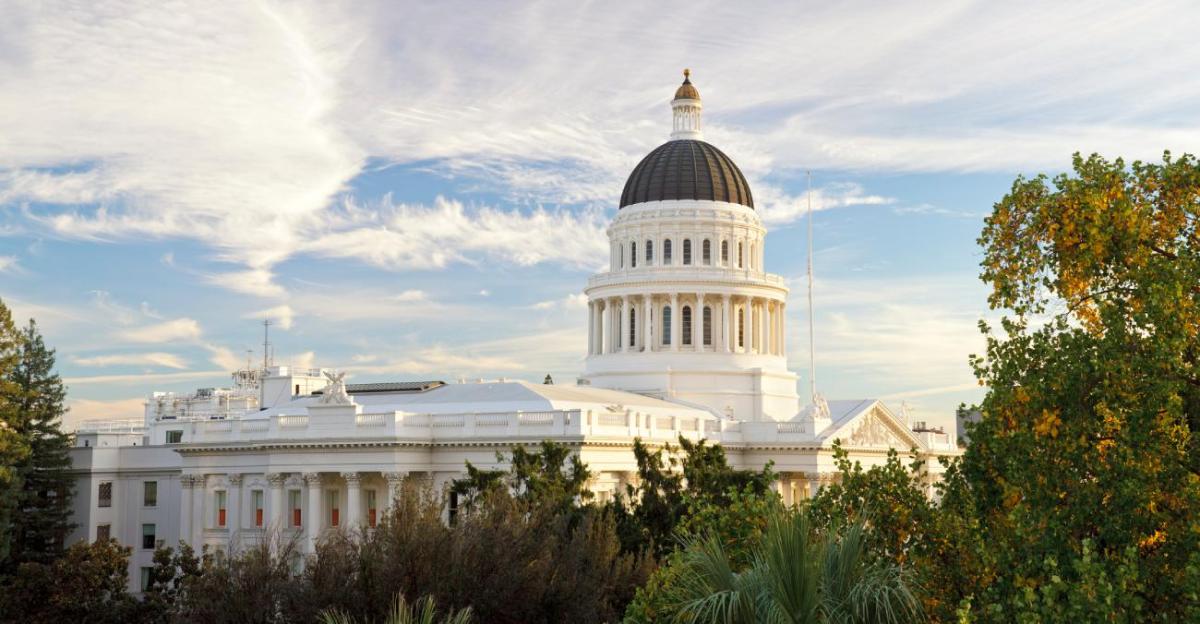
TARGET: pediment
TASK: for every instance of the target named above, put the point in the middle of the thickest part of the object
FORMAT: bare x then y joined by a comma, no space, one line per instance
877,428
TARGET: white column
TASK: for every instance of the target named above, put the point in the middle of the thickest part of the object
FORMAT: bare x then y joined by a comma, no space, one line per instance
626,344
185,508
647,323
233,510
725,324
591,327
676,316
354,513
698,323
748,326
199,519
394,480
606,330
783,328
312,523
276,503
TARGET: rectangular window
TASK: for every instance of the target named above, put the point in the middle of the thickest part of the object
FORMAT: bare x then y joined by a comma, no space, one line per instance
220,508
686,338
724,252
667,251
334,515
687,251
150,494
146,575
649,252
633,255
371,508
294,505
104,496
257,497
666,326
706,251
174,437
707,326
103,532
148,536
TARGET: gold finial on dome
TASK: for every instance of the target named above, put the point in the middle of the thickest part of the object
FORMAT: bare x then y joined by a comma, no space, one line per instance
686,91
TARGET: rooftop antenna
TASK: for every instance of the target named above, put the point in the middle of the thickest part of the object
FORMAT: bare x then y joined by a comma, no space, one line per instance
267,343
812,350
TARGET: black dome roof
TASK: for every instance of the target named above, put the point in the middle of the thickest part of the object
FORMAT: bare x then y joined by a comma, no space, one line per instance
686,169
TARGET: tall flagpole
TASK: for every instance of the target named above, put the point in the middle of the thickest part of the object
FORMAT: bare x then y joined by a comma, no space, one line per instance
812,350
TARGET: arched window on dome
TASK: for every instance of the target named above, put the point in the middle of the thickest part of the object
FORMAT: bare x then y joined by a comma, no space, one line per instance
724,252
667,251
649,252
687,252
633,255
707,326
687,325
632,326
740,255
666,326
706,252
741,327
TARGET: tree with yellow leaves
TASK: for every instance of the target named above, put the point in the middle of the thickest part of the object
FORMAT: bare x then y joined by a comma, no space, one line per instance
1084,472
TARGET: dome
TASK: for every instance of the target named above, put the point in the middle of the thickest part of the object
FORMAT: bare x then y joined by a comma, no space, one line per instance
687,91
686,169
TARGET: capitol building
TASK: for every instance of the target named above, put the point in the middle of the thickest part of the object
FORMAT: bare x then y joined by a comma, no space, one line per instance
686,337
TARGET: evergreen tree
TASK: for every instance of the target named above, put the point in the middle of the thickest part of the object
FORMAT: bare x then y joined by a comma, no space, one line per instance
13,448
44,498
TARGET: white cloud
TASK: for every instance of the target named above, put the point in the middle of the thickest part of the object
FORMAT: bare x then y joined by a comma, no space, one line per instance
407,236
158,358
281,315
239,129
82,410
572,301
410,296
145,380
8,263
225,358
177,330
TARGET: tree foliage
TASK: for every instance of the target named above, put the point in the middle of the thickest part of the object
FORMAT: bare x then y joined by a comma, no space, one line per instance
1083,474
86,584
46,484
673,480
795,574
13,447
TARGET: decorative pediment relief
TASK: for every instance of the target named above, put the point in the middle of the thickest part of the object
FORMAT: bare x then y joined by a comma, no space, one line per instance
873,429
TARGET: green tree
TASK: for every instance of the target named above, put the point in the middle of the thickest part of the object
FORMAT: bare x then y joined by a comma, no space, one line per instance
796,575
553,476
1084,468
44,500
13,447
86,584
672,480
424,611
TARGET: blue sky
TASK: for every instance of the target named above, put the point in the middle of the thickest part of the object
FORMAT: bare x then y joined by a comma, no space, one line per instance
421,191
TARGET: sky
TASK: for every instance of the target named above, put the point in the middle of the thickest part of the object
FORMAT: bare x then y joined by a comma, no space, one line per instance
420,190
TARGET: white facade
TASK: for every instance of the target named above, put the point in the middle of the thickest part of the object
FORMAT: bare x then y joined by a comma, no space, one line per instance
687,343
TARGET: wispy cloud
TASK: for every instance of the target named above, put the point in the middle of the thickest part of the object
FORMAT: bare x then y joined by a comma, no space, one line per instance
281,315
158,358
240,130
177,330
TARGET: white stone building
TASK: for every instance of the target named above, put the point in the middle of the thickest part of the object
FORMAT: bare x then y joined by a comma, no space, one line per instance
686,338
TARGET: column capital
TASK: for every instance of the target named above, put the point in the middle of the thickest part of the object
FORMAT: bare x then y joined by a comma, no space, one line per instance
394,477
187,481
276,479
234,479
352,478
313,479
